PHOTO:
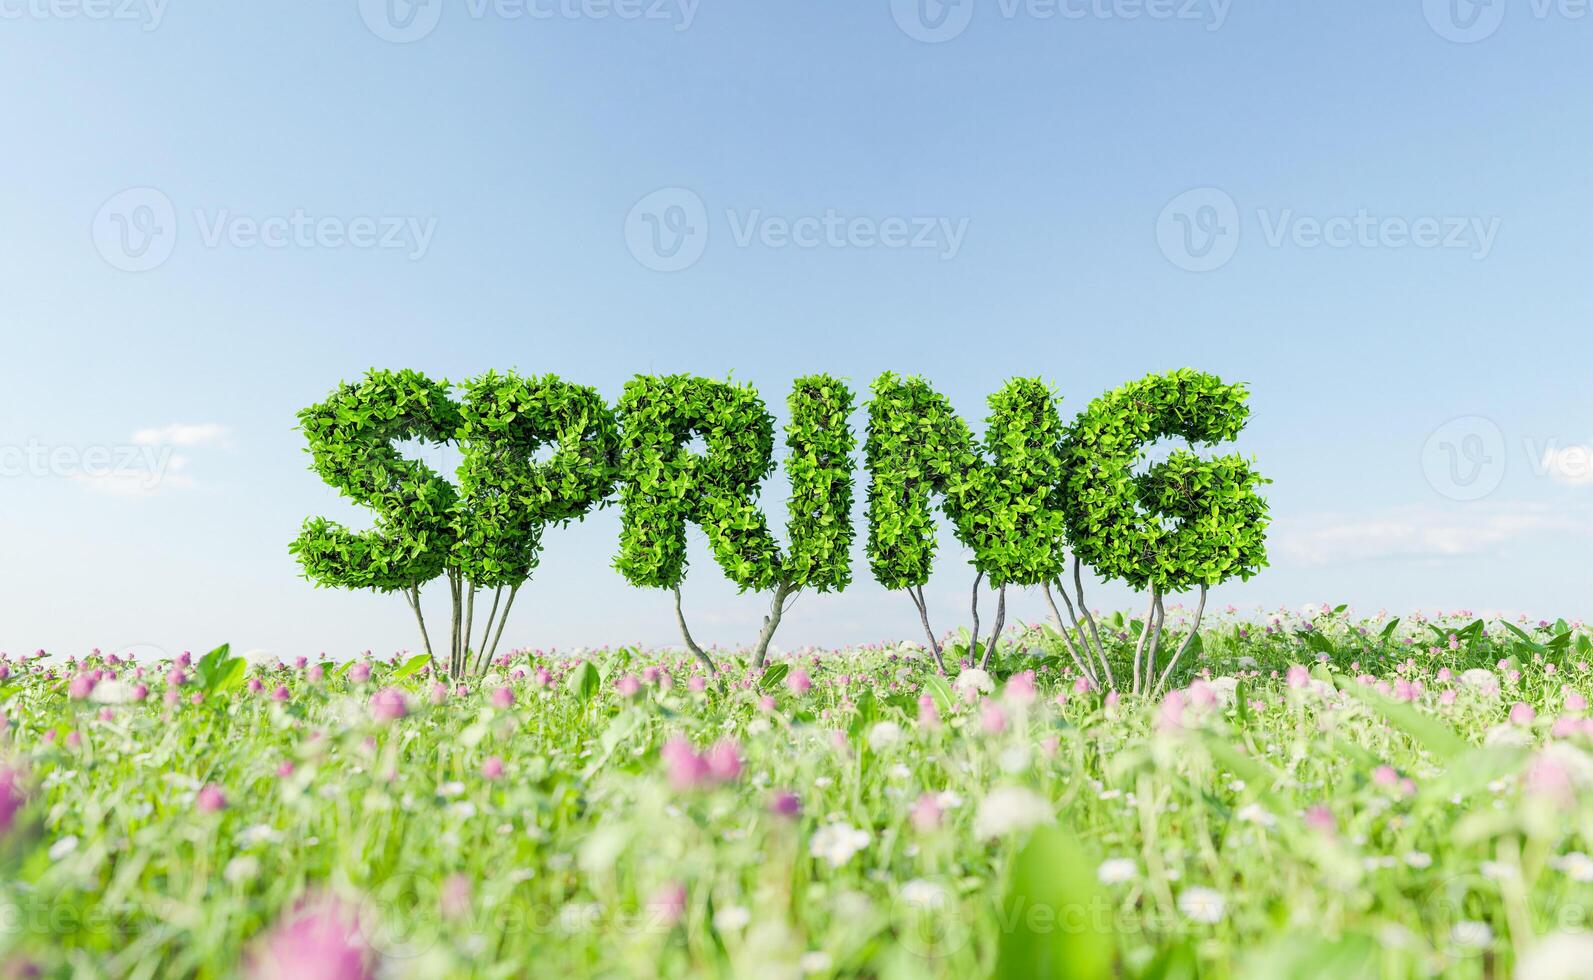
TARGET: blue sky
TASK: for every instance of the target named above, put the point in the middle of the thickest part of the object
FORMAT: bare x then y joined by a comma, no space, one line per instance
1375,213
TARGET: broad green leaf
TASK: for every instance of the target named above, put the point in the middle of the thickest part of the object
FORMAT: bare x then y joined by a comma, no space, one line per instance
1047,928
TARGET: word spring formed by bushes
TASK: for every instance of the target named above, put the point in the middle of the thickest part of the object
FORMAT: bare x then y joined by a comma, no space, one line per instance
1035,501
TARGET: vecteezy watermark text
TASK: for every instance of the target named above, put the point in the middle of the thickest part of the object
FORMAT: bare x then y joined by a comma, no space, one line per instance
936,21
131,466
148,14
407,21
668,230
1200,230
136,230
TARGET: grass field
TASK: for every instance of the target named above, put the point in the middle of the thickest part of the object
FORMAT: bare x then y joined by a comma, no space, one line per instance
1323,796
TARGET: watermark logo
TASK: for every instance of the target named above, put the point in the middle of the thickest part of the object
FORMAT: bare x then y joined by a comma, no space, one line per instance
1198,230
1465,458
1464,21
932,21
136,230
148,14
668,231
401,21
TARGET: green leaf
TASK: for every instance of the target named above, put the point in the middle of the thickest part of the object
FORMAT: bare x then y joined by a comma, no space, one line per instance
230,674
1046,926
937,688
410,667
1435,736
773,676
583,681
1306,957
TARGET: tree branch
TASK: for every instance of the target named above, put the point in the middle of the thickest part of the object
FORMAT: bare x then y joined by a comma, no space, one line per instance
691,644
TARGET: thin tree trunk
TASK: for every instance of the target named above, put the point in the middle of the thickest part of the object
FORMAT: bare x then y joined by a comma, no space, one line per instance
482,661
973,639
1094,650
1194,631
453,649
691,644
995,633
1067,636
1089,620
1155,643
470,625
771,622
1144,637
412,594
916,593
513,591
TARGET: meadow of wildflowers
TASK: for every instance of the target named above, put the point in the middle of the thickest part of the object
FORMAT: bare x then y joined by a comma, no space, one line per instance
1319,795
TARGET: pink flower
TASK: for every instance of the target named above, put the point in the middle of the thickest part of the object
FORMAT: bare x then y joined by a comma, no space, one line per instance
492,768
388,704
542,677
321,940
360,672
1112,699
991,718
176,678
767,703
454,898
281,693
697,684
12,798
1170,717
1385,776
1574,701
284,770
687,769
81,686
1020,688
140,692
724,761
210,799
255,686
1548,779
1447,698
1522,714
928,714
1081,686
1565,726
439,693
1298,676
926,813
785,803
1320,819
315,674
628,686
652,674
301,662
667,905
196,698
798,682
503,698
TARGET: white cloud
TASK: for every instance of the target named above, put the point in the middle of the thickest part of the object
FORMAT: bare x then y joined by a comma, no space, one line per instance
1422,533
183,434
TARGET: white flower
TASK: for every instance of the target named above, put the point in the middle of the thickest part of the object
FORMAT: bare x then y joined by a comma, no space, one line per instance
884,735
63,847
1201,905
1482,680
1558,956
1497,871
732,918
262,833
922,894
818,961
1010,809
1117,871
241,869
111,692
948,800
900,771
1575,865
973,682
838,842
1227,690
1419,859
1014,759
1253,813
1472,935
450,789
580,917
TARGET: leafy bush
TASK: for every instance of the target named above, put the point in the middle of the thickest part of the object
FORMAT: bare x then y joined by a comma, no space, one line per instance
1184,523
